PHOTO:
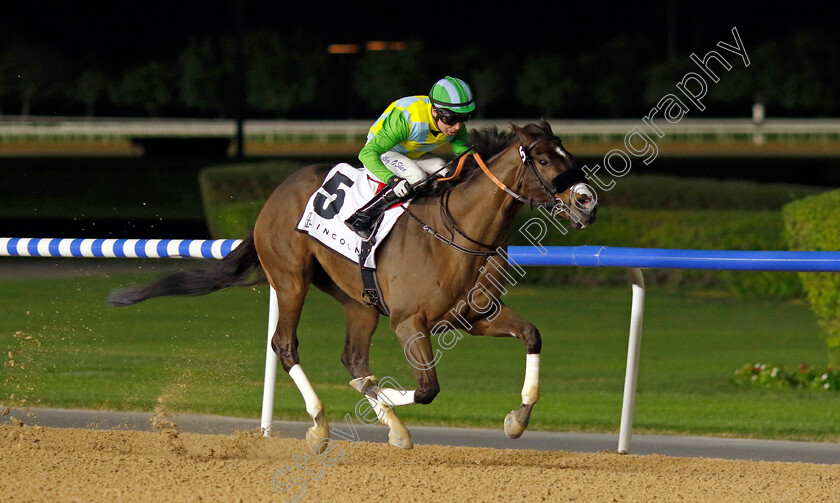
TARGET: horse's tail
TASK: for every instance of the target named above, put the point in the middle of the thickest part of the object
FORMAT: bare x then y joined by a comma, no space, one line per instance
241,267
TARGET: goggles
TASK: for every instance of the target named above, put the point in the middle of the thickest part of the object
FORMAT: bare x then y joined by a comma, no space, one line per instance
451,118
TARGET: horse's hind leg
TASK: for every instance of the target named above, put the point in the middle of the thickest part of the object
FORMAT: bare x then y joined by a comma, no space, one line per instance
290,299
361,324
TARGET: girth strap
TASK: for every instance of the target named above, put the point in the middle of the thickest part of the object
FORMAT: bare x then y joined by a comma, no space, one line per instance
371,291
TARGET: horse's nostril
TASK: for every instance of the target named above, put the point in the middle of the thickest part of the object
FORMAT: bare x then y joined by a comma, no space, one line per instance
584,202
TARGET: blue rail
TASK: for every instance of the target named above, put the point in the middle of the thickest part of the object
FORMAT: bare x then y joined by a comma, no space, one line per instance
730,260
581,256
117,248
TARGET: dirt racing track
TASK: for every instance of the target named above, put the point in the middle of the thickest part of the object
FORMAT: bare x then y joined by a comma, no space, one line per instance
45,463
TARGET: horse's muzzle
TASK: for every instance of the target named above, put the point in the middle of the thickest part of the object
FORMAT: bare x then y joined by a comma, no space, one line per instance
581,208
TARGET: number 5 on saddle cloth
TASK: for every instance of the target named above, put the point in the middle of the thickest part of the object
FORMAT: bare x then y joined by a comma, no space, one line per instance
345,190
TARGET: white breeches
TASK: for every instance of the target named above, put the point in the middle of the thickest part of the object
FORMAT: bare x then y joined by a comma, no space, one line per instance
413,170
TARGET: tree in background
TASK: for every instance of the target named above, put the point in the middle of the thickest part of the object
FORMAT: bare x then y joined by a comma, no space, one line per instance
90,88
486,76
384,76
786,84
662,77
149,87
800,84
282,76
7,81
35,72
291,76
488,87
613,75
736,89
206,76
547,85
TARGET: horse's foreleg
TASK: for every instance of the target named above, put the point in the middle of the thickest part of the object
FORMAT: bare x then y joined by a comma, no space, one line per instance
509,324
361,324
418,350
382,402
284,342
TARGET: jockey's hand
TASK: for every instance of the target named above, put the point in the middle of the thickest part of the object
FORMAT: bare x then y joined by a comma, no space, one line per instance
400,186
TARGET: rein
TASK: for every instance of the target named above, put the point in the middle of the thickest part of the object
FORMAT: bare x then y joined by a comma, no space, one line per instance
449,221
526,159
451,242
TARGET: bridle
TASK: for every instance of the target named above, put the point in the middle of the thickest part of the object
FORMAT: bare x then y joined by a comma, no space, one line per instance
560,183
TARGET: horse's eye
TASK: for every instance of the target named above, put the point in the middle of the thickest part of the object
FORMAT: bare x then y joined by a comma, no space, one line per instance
543,162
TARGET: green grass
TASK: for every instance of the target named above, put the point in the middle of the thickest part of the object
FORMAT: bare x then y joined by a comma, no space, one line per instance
205,355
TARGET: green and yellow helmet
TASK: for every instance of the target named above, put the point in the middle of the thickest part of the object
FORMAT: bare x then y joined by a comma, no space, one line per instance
452,94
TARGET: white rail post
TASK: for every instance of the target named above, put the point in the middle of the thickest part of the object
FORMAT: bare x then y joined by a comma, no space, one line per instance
637,313
270,380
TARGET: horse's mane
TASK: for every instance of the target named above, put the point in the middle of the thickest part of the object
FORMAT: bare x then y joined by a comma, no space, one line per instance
487,142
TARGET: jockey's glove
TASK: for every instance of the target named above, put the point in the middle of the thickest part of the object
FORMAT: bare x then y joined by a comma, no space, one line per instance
400,187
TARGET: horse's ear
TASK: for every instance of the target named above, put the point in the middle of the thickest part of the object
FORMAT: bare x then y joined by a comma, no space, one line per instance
521,134
545,126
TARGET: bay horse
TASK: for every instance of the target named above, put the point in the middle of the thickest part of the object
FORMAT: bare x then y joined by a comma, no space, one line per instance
428,283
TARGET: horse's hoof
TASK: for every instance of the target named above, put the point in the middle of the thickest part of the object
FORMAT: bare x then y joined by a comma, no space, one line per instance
513,429
361,384
315,437
401,439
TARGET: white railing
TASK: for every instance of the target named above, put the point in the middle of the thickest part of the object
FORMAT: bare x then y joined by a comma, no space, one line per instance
112,129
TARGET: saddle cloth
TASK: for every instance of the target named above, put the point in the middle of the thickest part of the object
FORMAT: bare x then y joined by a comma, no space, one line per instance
345,190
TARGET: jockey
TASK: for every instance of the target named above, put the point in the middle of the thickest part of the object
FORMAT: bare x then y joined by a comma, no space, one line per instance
398,145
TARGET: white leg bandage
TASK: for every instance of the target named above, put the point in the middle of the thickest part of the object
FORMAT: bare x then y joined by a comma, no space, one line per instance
531,388
394,398
385,396
313,403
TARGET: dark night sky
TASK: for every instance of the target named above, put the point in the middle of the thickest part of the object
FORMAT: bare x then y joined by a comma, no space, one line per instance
116,31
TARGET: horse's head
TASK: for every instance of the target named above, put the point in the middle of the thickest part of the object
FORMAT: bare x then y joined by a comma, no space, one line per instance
550,176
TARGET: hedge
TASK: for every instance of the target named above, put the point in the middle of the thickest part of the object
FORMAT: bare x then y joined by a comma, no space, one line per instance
691,229
656,192
813,223
233,194
235,220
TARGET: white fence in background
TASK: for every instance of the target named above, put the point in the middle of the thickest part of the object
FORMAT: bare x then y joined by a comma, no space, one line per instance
113,129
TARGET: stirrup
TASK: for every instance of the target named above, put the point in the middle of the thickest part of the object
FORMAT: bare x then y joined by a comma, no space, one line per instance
362,224
365,220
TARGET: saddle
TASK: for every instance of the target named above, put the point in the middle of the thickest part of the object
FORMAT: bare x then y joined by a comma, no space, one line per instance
345,190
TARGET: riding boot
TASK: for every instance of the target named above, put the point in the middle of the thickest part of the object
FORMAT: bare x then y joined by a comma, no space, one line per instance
365,219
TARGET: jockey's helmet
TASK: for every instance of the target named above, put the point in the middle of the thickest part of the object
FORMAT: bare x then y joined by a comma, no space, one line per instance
454,95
